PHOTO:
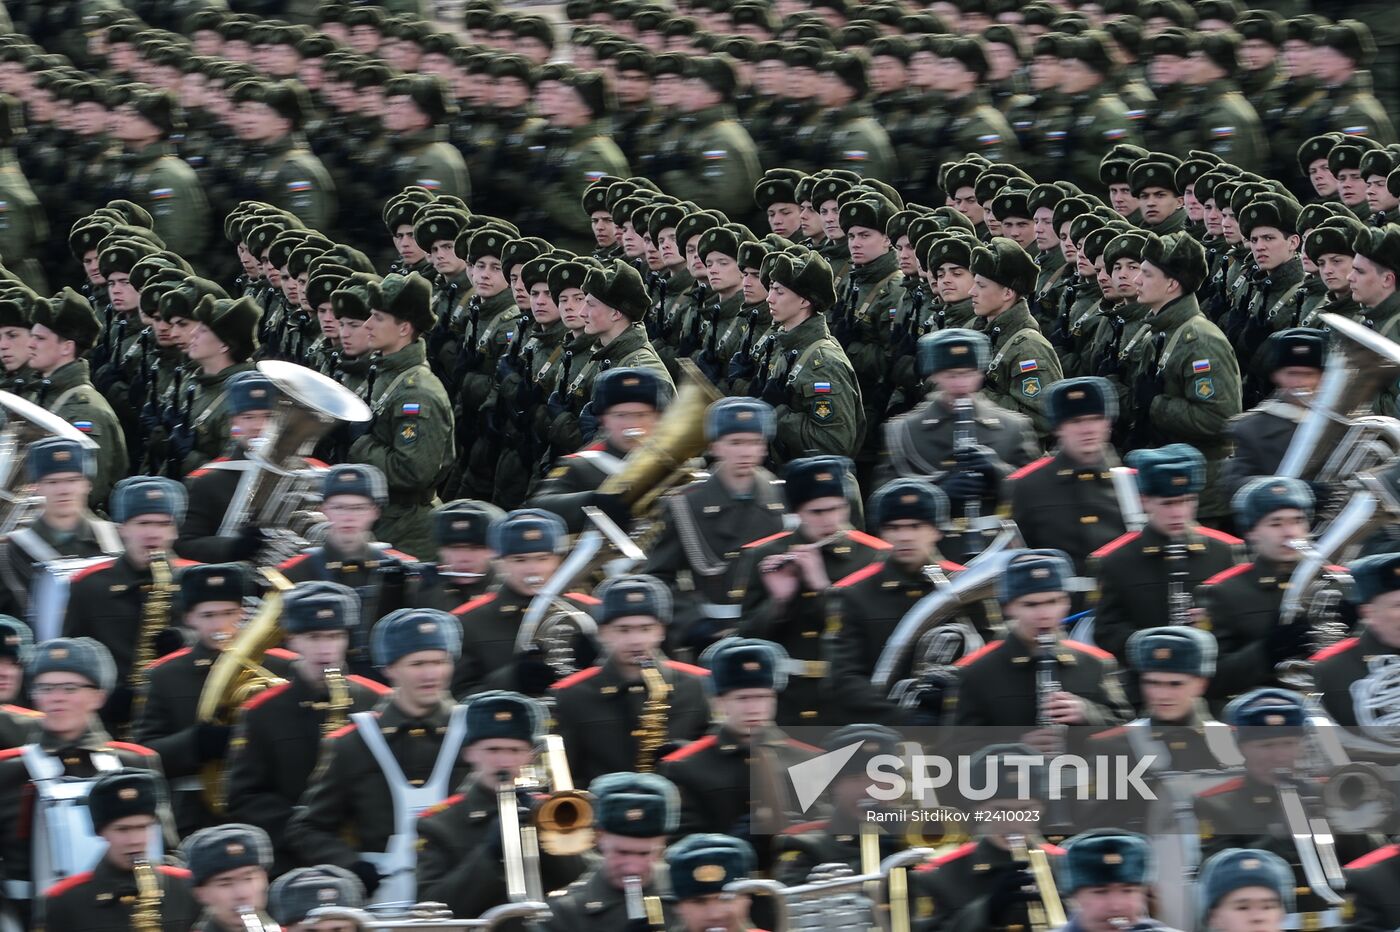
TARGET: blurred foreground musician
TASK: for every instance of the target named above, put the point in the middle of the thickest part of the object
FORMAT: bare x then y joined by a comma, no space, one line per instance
1353,674
229,865
18,724
60,472
699,866
634,813
127,807
463,568
790,572
1373,890
295,894
1248,890
460,857
613,698
278,735
704,526
1108,875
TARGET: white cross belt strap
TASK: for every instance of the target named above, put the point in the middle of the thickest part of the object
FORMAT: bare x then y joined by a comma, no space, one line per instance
398,861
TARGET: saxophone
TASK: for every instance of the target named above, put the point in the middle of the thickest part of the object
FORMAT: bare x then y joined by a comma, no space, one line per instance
338,706
651,727
145,916
155,615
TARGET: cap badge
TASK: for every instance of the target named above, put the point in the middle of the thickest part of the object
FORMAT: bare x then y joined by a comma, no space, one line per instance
326,613
427,627
909,499
127,793
1075,395
326,894
752,666
744,416
59,653
1273,720
154,495
1113,857
62,456
533,533
235,849
1250,864
216,580
1178,480
1040,572
257,393
823,477
504,716
708,873
631,382
958,350
1162,653
635,815
636,597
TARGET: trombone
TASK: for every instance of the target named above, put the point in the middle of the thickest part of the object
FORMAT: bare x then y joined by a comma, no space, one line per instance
833,895
561,824
435,916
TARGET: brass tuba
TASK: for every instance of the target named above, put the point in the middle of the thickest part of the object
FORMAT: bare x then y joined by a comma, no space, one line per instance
238,674
272,495
24,423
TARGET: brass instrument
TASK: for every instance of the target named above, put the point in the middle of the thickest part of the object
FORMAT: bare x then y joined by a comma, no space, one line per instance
965,437
24,423
238,675
145,915
431,916
252,919
274,495
338,702
564,819
656,709
1045,683
640,906
555,634
1178,593
832,897
1046,911
155,615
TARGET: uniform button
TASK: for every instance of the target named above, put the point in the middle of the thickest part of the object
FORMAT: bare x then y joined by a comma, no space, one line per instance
1088,519
416,732
808,713
811,634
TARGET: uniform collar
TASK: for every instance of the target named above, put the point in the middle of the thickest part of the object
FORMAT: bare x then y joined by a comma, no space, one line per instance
875,270
1175,314
392,718
1009,323
628,341
93,740
69,375
1066,468
804,334
412,355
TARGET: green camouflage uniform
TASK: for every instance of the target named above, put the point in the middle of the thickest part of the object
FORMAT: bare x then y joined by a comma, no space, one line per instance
717,164
1023,364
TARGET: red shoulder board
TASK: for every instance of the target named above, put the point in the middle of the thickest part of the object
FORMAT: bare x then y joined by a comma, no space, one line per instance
264,696
1029,468
1231,573
1337,648
443,806
168,657
801,827
1336,569
400,555
960,851
1056,850
21,710
177,872
576,678
199,473
1111,733
1226,787
766,540
68,883
1089,649
984,649
1114,544
475,603
593,447
183,564
583,597
1221,536
314,463
693,748
865,572
9,753
874,543
345,729
292,561
373,686
686,668
281,653
133,748
1374,857
84,574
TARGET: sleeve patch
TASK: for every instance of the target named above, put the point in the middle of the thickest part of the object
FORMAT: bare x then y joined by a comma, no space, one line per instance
1030,387
1205,389
408,433
822,410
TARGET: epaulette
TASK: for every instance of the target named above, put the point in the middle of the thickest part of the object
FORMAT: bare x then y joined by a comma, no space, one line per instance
802,827
865,572
1110,733
766,540
68,883
443,806
984,649
265,695
1114,544
575,678
1089,649
1231,573
196,473
686,667
374,686
281,653
133,748
1338,648
484,599
88,571
1029,468
1221,536
292,561
1228,786
400,555
583,597
691,749
868,540
961,851
159,661
1374,857
22,711
171,870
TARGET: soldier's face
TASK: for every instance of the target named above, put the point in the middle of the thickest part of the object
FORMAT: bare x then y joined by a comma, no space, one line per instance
784,219
1382,616
1256,54
67,701
823,517
573,310
203,345
1170,697
830,213
1330,66
1297,58
180,331
907,256
350,516
14,348
1370,283
1230,226
64,493
866,245
1084,438
754,292
127,839
445,259
605,229
354,337
1043,225
319,651
1213,219
325,316
223,893
1154,288
1171,517
89,118
1157,204
717,912
1125,277
1333,268
1378,196
965,202
466,558
990,298
1272,536
1103,908
487,277
631,639
248,426
124,297
628,424
510,93
406,245
740,454
1351,186
625,857
421,679
1272,247
810,221
1122,199
668,248
958,383
248,261
887,74
1195,210
145,534
497,755
914,542
786,306
632,245
1045,72
1067,247
1249,909
46,350
1104,278
364,39
1019,229
542,306
11,677
1038,614
954,282
1076,76
1321,178
723,272
693,263
526,573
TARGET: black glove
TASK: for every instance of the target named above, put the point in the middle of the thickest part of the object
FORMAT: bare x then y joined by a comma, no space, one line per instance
1013,887
211,741
369,874
150,419
247,544
614,507
168,640
1110,366
741,366
1256,330
533,676
355,431
1146,387
963,484
181,442
1060,337
709,365
556,404
775,392
587,423
842,330
1286,642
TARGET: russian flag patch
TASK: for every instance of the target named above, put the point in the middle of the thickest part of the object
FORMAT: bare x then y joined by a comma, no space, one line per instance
822,388
1200,365
84,426
411,409
162,194
298,186
432,184
1029,365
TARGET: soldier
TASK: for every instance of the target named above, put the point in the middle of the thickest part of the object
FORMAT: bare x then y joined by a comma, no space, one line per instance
1241,605
220,345
1024,364
279,169
298,893
971,124
846,135
1109,876
1188,386
18,725
229,867
459,859
1249,887
126,807
1371,884
1152,180
1235,132
1146,577
1328,246
865,608
996,687
1270,224
153,176
399,216
410,437
16,305
416,109
436,229
1092,120
1346,670
632,622
528,545
723,322
716,164
274,747
633,815
807,378
69,681
377,773
700,867
627,403
775,194
1375,281
1339,54
463,569
25,230
60,472
62,332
